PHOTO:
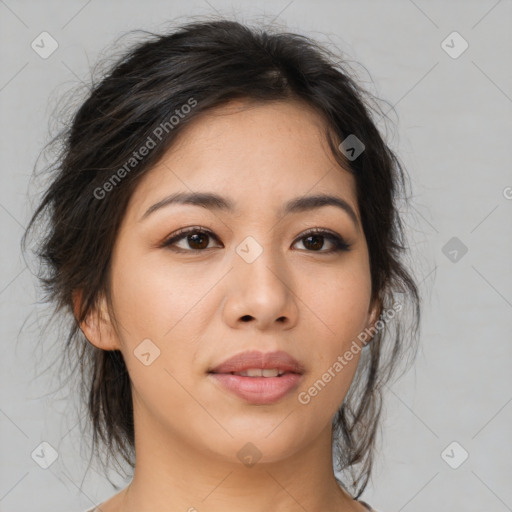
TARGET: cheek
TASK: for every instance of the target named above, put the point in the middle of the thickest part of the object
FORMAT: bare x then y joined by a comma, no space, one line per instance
339,313
339,302
158,309
152,297
347,307
154,307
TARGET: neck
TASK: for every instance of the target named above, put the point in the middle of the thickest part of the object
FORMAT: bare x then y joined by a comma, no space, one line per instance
171,475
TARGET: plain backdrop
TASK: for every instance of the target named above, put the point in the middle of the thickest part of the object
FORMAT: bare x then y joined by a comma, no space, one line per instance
447,423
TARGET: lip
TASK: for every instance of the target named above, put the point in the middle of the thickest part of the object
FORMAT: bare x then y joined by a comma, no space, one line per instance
255,359
259,390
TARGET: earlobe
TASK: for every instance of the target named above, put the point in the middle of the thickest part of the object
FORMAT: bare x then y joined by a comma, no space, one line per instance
97,326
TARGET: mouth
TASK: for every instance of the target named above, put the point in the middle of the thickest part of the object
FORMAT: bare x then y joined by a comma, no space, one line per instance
258,372
259,378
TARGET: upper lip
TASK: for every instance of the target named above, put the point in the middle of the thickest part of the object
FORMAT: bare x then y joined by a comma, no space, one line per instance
255,359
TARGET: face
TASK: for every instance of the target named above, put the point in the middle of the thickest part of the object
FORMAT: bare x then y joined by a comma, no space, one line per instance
193,285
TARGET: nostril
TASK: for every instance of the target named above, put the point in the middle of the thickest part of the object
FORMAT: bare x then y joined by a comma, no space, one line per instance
246,318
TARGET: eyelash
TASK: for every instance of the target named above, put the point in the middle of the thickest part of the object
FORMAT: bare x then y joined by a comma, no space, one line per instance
340,245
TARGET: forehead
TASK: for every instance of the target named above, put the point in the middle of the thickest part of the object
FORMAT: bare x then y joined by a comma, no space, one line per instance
263,153
254,129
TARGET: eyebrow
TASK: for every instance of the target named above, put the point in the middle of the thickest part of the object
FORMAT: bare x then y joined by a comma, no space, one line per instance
212,201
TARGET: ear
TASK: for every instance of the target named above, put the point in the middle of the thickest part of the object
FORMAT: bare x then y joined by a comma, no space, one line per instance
97,326
374,312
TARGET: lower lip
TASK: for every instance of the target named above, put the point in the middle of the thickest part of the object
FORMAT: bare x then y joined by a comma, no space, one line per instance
259,390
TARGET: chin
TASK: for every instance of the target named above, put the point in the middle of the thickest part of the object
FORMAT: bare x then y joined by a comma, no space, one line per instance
268,442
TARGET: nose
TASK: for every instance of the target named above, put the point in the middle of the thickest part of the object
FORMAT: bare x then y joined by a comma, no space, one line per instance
260,294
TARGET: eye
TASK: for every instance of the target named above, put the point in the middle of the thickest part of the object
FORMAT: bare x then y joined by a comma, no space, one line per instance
195,237
314,240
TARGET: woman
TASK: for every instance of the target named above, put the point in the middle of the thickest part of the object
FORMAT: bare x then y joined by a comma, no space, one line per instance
221,227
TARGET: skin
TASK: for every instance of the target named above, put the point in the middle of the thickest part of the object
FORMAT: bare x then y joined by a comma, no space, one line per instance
191,305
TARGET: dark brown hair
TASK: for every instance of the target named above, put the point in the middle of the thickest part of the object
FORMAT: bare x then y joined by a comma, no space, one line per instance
205,64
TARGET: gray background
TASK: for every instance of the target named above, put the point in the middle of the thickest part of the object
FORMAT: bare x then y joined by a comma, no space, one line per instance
453,136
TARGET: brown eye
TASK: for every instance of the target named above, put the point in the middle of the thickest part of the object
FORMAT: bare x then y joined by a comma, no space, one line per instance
198,240
314,241
191,239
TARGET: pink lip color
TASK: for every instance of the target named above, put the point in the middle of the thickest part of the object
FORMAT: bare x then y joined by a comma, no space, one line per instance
259,390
